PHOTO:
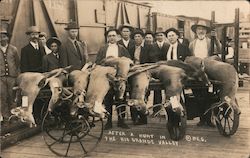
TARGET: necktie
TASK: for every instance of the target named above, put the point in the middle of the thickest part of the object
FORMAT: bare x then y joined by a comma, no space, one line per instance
56,55
172,53
78,50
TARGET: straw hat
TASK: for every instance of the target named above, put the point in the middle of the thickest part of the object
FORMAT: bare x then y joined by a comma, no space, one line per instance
202,24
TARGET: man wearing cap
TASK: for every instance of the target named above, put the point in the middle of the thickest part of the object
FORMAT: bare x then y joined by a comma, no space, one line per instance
201,46
32,54
149,38
126,31
176,51
51,61
182,39
112,49
9,66
73,51
42,42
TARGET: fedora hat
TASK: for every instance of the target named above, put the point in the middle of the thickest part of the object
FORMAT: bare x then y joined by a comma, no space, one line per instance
202,24
4,31
53,40
138,31
111,29
159,30
32,29
131,28
174,30
72,25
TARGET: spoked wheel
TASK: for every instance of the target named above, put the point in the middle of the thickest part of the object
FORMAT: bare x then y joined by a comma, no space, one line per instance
227,119
176,124
69,136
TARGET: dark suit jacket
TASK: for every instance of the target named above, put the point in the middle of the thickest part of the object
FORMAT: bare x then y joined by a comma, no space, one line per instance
70,56
145,50
50,62
130,48
31,59
103,50
157,54
182,52
185,42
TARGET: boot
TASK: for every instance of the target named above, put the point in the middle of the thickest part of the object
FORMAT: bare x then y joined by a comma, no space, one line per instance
108,125
122,124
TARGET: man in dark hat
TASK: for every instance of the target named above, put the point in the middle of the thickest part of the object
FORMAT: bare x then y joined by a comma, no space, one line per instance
201,46
9,70
176,51
149,38
73,51
51,61
126,31
32,54
115,50
182,38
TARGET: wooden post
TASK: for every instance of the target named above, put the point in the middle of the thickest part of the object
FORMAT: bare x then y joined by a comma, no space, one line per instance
212,29
224,46
236,38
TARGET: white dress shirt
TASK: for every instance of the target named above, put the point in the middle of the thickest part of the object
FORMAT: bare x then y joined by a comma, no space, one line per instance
4,48
112,50
138,53
125,42
47,50
200,48
174,47
35,45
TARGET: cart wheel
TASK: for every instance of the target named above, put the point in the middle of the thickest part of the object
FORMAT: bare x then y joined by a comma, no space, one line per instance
176,124
69,136
227,120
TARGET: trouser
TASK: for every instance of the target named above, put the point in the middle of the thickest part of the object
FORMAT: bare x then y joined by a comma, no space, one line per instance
7,95
109,102
137,115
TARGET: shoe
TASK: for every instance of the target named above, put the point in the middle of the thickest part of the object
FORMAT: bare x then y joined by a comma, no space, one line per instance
108,126
201,123
122,124
141,122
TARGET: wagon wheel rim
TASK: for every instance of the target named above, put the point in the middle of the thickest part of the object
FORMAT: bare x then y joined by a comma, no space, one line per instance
227,120
77,137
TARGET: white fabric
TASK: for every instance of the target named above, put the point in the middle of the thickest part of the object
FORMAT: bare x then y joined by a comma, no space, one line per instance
4,48
174,51
137,54
112,51
35,45
125,42
47,50
200,48
160,44
180,40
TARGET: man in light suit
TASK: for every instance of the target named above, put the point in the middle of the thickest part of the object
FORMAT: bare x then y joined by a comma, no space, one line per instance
176,51
73,51
115,50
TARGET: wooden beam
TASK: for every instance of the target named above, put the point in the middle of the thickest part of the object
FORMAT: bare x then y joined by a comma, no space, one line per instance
213,29
236,38
16,11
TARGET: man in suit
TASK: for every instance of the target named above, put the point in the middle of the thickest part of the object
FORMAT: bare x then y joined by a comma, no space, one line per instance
182,39
201,46
51,61
115,50
158,53
176,51
9,70
73,51
126,31
32,54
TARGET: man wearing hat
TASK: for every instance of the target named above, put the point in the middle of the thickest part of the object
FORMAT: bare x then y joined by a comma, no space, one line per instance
201,46
176,51
112,49
126,31
32,54
9,70
73,51
42,42
182,39
51,61
149,38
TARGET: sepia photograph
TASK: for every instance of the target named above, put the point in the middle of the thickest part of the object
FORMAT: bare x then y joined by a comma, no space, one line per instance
125,78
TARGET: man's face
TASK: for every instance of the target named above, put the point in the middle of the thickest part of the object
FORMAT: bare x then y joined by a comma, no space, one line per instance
4,39
73,33
125,33
112,37
42,40
172,37
201,32
149,39
160,37
34,36
138,39
54,47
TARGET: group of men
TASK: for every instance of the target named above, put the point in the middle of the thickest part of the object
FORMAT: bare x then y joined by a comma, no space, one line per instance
41,55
